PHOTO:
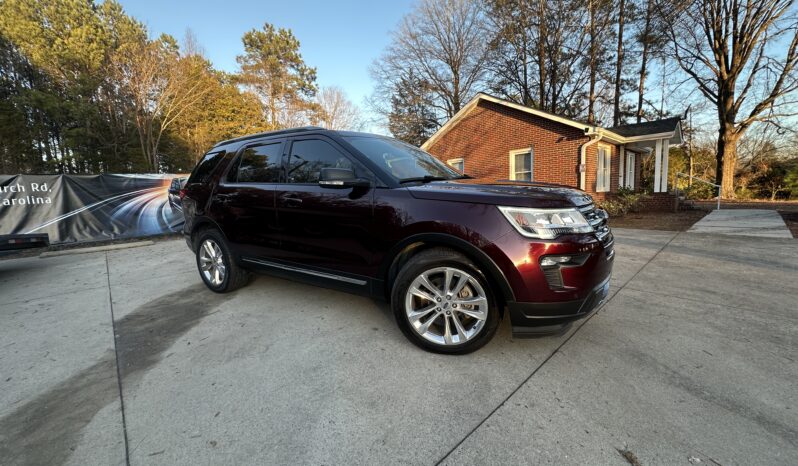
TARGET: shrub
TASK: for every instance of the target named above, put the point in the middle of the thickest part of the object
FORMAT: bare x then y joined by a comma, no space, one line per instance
614,207
700,191
625,201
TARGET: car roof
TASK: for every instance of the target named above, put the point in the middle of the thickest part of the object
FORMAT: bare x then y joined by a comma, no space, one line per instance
269,133
292,131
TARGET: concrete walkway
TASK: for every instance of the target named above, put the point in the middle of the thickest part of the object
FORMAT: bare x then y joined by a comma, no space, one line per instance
743,222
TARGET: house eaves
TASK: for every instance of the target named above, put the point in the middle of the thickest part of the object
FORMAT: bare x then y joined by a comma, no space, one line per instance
607,134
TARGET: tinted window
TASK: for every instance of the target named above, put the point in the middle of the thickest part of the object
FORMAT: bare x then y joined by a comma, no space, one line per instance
260,164
309,156
203,171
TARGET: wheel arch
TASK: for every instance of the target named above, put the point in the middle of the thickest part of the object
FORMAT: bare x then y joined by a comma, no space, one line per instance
200,224
414,244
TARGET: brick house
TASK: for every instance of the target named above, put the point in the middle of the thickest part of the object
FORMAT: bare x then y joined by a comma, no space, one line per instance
493,138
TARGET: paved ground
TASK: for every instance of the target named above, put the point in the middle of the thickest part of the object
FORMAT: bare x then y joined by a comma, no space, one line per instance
743,222
693,358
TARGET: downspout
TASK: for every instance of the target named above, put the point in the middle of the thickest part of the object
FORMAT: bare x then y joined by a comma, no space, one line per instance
589,132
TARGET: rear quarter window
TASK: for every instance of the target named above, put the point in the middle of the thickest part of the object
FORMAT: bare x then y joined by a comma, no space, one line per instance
204,169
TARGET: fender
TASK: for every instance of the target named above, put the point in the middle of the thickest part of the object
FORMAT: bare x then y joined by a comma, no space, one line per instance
492,271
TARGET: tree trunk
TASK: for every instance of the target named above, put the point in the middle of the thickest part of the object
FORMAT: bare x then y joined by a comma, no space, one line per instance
641,87
591,97
542,34
726,162
616,115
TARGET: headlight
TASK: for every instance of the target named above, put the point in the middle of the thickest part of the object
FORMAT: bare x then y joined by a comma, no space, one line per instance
546,223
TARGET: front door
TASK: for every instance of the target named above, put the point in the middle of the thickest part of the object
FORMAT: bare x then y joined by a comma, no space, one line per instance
630,170
323,227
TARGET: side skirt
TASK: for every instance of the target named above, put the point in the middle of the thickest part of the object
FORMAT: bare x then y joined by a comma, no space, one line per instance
356,284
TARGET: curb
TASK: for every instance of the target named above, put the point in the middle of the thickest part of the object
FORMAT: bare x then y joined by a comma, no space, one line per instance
110,247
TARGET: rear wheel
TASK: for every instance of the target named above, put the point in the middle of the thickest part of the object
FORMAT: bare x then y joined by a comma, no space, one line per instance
216,266
443,303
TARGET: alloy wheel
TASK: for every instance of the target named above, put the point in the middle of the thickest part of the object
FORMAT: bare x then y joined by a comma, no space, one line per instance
446,305
212,262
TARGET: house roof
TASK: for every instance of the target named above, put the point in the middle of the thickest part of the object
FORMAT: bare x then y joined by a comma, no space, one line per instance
668,128
666,125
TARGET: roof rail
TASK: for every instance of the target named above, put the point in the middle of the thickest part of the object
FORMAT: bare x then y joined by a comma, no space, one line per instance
269,133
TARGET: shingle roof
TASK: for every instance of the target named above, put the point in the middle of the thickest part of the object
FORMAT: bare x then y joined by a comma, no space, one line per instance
618,133
666,125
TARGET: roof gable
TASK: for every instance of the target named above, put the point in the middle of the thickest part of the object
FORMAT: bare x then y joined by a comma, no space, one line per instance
666,128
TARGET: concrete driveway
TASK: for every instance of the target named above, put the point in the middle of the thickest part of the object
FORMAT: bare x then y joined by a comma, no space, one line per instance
693,358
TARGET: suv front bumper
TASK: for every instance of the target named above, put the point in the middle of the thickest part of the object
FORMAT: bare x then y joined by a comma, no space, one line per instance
537,319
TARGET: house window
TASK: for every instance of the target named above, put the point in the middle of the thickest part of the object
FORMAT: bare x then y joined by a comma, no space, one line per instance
630,170
457,164
603,169
521,164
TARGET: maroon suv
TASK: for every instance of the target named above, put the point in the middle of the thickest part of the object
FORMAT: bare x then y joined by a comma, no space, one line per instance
372,215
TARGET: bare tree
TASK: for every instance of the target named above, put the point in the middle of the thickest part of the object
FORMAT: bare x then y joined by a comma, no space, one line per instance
599,16
516,62
728,48
191,45
536,53
162,86
647,36
565,44
619,53
336,111
444,44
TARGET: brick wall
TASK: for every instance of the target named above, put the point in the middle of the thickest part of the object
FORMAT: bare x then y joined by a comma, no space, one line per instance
658,202
487,134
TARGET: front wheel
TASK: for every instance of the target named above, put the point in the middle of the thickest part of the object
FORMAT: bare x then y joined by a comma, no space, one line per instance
443,303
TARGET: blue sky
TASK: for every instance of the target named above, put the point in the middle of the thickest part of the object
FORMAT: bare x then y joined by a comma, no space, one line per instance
340,38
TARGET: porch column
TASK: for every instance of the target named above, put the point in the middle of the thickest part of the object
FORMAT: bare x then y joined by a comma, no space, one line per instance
663,186
657,165
621,162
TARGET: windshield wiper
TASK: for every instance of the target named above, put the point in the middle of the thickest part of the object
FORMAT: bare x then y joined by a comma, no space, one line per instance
423,179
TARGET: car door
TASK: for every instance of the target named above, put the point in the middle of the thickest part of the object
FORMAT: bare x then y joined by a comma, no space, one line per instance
324,227
245,199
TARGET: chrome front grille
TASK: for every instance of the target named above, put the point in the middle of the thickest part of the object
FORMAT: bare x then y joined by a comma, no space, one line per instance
598,220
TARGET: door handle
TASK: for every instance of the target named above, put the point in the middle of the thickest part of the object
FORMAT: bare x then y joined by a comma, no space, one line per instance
291,200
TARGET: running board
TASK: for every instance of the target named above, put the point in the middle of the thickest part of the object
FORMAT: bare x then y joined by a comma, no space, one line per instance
313,273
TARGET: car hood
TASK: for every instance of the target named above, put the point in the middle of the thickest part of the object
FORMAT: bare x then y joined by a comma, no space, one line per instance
502,192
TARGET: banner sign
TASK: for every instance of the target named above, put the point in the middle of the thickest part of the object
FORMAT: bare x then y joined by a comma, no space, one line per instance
72,208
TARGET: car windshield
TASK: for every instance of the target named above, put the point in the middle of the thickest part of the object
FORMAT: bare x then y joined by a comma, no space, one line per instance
403,161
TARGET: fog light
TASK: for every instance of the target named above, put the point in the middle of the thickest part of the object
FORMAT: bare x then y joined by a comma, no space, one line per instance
551,261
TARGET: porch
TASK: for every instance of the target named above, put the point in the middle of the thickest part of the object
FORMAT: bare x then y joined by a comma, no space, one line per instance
637,140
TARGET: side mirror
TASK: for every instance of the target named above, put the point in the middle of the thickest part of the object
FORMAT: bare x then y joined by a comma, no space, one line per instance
341,178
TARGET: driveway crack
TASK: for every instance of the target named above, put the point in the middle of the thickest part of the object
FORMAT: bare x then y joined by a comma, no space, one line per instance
116,357
556,350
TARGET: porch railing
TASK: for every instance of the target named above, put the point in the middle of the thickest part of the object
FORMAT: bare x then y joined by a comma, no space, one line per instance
685,175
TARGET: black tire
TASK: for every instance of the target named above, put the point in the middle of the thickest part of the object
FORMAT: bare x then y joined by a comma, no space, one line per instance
426,261
234,277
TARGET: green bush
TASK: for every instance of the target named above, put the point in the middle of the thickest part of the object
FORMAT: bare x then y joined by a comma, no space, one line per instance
744,193
701,191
